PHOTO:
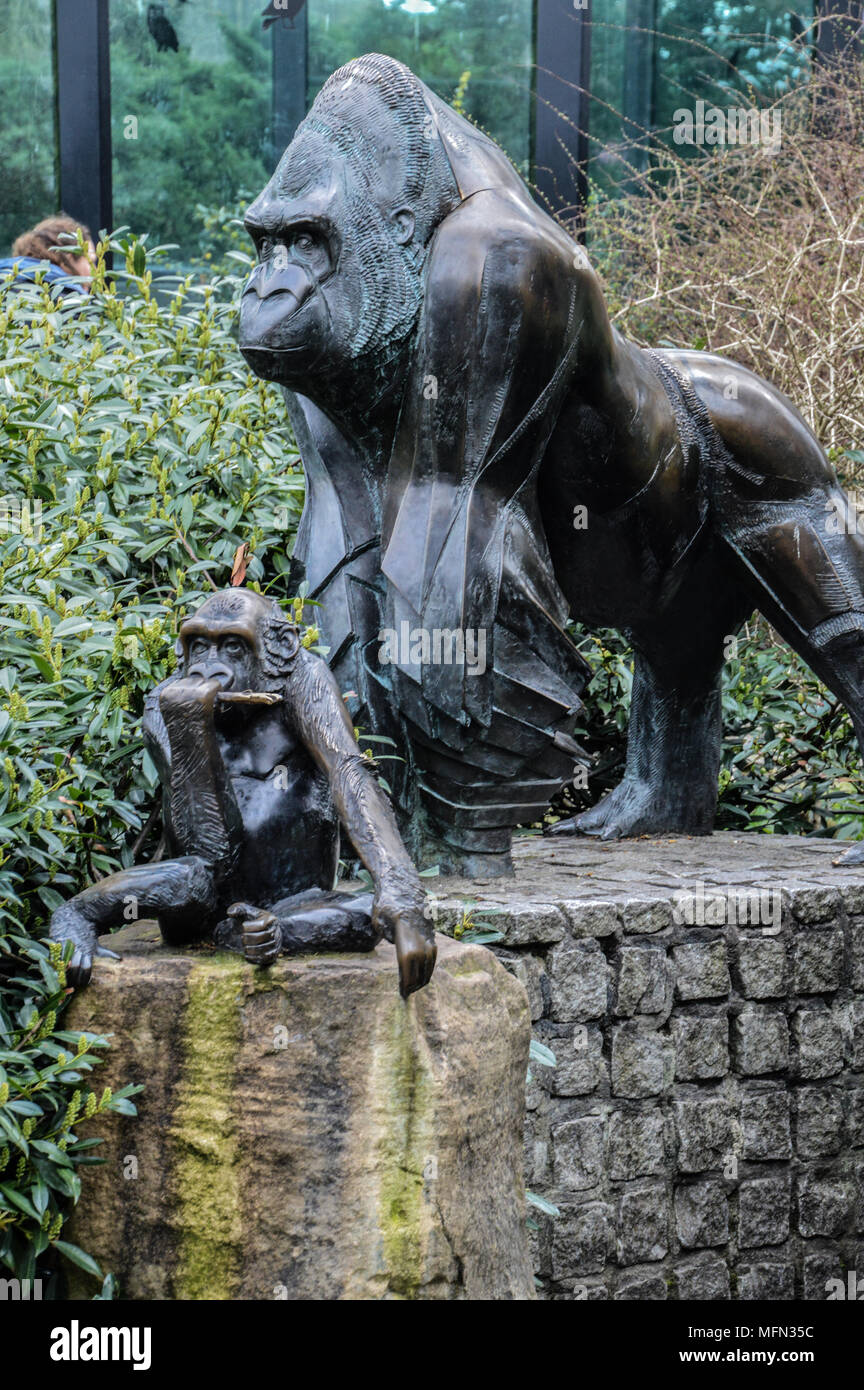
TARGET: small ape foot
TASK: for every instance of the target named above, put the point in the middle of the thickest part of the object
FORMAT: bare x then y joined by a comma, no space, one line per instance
303,924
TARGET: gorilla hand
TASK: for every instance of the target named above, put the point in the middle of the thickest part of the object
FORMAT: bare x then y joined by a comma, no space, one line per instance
402,920
262,935
67,924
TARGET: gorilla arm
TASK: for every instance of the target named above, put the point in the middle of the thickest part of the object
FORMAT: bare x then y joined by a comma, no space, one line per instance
318,712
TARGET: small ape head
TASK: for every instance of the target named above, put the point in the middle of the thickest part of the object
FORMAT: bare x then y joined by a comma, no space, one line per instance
342,227
239,638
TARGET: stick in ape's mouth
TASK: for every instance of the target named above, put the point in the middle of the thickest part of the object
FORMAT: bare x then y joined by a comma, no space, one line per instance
248,697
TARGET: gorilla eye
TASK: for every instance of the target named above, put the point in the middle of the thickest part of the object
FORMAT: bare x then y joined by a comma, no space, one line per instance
198,646
233,646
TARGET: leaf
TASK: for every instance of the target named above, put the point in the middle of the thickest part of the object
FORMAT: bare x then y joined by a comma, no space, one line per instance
541,1054
542,1204
78,1257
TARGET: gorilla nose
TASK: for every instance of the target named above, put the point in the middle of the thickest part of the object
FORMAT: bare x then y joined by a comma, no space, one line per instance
207,672
291,280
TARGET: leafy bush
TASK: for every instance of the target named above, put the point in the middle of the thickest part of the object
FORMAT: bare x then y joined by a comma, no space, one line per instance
137,453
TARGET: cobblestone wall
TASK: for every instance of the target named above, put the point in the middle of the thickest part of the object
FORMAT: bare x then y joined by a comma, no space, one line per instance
702,1133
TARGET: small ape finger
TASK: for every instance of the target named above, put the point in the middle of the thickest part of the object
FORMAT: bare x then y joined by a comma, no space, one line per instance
103,951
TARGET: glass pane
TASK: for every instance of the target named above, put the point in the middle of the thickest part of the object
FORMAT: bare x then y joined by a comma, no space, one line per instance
653,58
28,189
190,112
479,51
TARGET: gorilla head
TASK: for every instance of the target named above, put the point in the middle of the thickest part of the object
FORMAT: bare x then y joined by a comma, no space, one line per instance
240,638
341,231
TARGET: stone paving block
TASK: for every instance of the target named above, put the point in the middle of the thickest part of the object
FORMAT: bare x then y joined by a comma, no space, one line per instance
579,978
701,1214
765,1125
701,1047
643,1063
701,970
760,1041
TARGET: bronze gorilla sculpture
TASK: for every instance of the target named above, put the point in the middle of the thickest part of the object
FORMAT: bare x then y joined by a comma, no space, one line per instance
485,453
258,764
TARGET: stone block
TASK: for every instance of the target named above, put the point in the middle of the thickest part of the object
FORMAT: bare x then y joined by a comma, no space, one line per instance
580,1065
763,1212
305,1128
765,1125
703,1128
701,1214
578,1147
767,1280
760,1041
643,1224
761,967
819,1041
818,961
579,978
825,1204
643,1063
582,1238
637,1145
703,1280
701,970
701,1047
644,981
819,1121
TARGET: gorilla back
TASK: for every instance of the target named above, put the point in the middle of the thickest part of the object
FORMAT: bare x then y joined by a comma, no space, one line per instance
485,457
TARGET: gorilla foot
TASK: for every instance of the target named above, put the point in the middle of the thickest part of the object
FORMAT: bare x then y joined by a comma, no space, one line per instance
855,855
635,808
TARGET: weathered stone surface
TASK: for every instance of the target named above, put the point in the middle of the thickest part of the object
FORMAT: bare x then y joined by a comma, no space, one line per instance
580,978
304,1133
637,1144
765,1127
702,1214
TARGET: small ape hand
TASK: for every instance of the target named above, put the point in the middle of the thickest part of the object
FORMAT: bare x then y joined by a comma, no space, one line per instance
262,935
69,925
404,923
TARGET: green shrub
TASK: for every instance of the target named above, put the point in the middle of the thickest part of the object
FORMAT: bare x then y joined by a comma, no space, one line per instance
137,454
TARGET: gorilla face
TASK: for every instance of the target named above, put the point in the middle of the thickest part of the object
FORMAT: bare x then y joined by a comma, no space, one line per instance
285,322
338,283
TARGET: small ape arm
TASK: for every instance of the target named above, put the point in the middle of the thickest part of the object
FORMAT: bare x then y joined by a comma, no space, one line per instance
321,720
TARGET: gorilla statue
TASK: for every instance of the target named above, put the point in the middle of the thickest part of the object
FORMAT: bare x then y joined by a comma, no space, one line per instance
258,764
486,457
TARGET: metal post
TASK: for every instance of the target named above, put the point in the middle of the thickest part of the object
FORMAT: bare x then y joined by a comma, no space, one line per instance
290,50
84,111
561,106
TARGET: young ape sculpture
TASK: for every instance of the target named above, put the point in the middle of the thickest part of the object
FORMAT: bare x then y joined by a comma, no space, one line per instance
484,452
258,764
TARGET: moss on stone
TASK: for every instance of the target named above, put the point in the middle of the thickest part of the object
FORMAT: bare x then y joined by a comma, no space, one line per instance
206,1173
405,1100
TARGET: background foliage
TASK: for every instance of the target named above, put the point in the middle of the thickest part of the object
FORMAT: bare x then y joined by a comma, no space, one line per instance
136,453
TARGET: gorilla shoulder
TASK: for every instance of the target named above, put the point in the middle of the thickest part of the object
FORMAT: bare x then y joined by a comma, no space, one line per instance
495,245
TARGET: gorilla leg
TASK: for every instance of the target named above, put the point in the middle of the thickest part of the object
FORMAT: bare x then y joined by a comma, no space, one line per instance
181,893
675,733
806,565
